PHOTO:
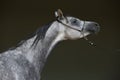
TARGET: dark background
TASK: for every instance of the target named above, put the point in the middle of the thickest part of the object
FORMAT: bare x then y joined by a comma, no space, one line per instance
70,60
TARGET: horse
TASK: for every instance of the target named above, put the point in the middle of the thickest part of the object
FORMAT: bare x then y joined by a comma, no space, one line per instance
27,59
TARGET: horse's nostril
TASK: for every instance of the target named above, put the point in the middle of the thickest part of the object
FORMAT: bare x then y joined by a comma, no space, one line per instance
96,24
93,27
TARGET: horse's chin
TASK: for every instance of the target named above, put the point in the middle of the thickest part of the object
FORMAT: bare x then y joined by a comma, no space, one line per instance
84,34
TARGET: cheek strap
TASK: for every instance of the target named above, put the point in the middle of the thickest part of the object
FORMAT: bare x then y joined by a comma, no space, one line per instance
69,26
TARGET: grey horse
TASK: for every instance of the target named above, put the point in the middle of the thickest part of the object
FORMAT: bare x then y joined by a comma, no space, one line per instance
27,59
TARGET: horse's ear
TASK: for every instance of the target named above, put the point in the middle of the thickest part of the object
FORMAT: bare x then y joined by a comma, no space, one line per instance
59,14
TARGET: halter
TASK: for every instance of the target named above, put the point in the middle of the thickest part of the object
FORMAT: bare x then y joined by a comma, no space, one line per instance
91,43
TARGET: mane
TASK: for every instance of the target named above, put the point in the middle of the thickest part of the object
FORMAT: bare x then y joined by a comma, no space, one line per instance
39,33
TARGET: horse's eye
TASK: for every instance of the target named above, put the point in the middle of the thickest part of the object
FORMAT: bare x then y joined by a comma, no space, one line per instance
75,22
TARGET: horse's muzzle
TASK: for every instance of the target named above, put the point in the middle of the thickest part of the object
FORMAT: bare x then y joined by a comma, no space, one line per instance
92,27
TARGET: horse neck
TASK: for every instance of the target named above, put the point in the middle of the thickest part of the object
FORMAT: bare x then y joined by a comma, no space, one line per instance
37,53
